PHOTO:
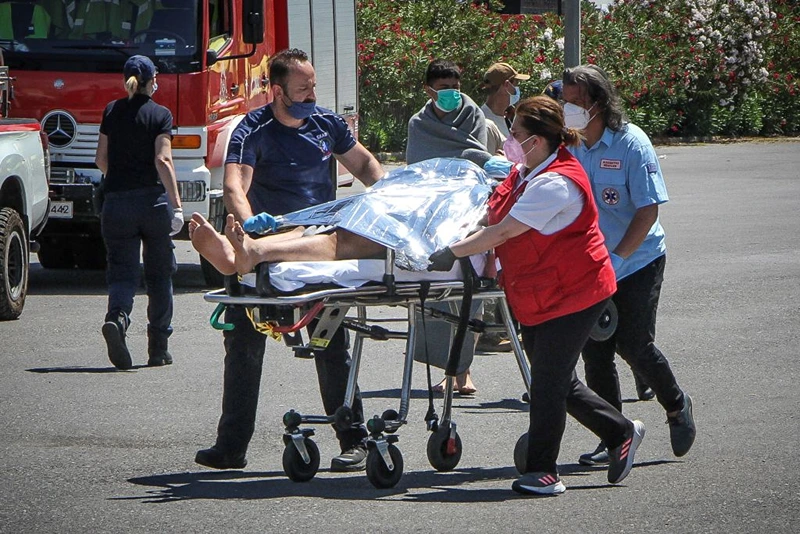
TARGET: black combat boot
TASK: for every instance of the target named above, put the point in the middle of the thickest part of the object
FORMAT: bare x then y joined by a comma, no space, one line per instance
114,328
157,350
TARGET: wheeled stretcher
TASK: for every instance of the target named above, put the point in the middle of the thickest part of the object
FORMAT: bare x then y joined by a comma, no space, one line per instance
275,311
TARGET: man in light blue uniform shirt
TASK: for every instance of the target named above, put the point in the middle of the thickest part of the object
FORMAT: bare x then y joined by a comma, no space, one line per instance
628,188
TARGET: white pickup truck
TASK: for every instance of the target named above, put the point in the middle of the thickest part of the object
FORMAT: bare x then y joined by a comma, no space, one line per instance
24,203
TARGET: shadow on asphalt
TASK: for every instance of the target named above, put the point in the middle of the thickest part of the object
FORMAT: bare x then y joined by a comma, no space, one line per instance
86,370
394,393
443,487
41,281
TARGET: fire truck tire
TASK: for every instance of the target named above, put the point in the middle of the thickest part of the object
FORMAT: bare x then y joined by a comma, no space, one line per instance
14,257
212,277
90,253
54,255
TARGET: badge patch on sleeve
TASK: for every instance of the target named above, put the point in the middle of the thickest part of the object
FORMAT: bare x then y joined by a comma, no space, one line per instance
611,164
652,167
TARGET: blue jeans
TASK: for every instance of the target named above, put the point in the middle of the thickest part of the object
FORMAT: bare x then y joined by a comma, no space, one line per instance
133,221
634,340
244,360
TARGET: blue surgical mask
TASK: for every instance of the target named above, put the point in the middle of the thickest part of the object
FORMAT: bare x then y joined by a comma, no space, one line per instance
301,110
514,97
155,87
448,99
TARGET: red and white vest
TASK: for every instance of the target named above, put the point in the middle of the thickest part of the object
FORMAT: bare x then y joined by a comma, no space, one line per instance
549,276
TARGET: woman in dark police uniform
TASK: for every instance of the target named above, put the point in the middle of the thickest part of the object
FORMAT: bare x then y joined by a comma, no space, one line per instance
142,210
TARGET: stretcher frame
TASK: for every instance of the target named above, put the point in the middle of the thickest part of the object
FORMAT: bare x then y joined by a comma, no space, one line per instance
330,306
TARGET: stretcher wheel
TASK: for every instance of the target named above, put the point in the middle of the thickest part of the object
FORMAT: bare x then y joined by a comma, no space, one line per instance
294,466
521,454
378,473
606,324
444,453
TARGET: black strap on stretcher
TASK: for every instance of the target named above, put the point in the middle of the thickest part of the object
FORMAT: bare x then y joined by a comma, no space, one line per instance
454,357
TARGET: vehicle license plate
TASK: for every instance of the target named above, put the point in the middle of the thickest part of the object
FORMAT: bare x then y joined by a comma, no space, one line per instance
61,210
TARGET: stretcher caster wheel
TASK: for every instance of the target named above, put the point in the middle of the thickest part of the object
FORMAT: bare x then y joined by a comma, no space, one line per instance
343,418
521,454
444,452
606,324
379,473
295,467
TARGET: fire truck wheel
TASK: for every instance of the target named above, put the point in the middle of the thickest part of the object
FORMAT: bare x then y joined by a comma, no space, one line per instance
14,258
54,255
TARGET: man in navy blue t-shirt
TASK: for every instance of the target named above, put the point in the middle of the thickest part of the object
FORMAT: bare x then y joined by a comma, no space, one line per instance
279,160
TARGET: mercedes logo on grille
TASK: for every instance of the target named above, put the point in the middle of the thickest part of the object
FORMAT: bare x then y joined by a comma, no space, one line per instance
60,128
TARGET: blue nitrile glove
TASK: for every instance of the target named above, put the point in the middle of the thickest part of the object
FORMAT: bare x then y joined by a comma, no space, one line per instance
616,262
260,224
442,260
497,167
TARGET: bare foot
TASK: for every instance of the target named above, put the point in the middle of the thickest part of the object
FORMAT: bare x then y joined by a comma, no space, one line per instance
463,384
211,245
246,257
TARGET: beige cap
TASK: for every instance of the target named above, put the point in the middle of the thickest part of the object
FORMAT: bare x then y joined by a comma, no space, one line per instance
500,72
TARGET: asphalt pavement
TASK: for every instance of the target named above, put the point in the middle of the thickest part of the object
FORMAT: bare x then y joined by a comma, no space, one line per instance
87,448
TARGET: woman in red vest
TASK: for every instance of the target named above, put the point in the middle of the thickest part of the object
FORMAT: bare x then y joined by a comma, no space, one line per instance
558,277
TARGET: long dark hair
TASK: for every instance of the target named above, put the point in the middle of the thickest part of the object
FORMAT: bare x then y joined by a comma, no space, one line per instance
600,90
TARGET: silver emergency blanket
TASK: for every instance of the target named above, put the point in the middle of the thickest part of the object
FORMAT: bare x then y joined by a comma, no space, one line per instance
414,210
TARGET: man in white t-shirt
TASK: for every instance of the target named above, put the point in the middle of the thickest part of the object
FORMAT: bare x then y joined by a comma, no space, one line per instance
501,84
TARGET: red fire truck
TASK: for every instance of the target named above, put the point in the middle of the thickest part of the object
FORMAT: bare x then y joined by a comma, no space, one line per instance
67,56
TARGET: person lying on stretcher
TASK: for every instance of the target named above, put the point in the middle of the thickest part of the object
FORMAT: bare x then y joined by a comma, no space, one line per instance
237,252
414,210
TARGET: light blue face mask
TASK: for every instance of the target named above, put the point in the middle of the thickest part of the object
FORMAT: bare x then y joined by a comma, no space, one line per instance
448,99
514,97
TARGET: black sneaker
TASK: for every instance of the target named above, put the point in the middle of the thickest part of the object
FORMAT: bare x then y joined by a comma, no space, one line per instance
353,459
621,458
539,484
598,457
118,353
682,429
216,459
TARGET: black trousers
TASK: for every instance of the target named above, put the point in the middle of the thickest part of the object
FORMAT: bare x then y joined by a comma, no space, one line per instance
634,340
244,359
133,222
553,349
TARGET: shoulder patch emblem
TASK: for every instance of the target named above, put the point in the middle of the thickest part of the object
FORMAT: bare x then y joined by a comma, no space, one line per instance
652,167
610,196
614,164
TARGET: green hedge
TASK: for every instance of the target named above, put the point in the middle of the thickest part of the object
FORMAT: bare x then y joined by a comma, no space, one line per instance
683,67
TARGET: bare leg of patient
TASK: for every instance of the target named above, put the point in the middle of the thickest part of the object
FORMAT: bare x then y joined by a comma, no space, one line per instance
215,248
337,245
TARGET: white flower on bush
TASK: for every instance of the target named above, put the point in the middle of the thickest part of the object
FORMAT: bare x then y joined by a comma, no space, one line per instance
545,74
559,43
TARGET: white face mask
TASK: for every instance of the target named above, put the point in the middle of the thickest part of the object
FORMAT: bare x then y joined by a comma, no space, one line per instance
514,97
514,151
576,116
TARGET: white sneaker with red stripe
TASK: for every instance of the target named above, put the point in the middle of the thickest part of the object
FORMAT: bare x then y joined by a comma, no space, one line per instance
539,484
621,458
